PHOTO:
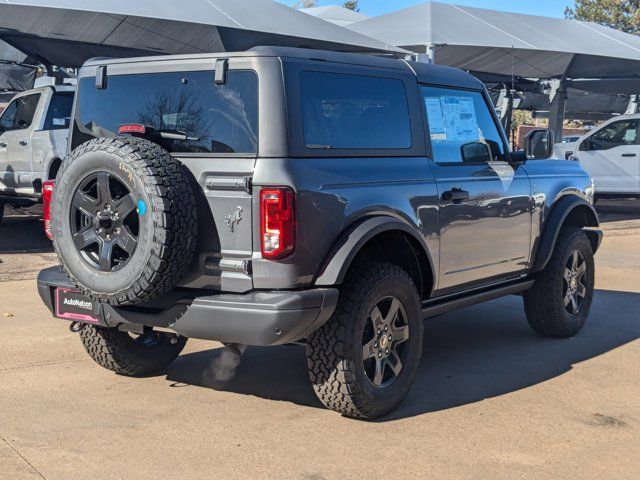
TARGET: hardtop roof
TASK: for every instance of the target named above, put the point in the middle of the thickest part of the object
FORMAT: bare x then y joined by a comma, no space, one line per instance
425,73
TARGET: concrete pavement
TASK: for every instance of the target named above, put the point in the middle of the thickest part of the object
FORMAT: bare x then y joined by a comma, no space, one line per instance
491,400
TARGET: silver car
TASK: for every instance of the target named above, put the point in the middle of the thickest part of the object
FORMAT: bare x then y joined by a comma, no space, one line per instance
33,139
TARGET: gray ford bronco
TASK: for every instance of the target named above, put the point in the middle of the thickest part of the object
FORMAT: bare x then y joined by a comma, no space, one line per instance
281,196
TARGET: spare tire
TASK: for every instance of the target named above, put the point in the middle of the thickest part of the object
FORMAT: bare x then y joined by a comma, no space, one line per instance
124,220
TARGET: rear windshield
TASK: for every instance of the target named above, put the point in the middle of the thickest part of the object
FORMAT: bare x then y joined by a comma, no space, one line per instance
215,118
59,113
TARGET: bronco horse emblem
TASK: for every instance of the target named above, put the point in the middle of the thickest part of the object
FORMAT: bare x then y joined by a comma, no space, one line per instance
233,219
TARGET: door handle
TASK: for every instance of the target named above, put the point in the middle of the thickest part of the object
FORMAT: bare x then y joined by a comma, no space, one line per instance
629,155
24,142
455,195
3,145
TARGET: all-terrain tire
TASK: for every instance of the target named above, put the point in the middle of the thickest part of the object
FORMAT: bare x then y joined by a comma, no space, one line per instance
335,351
121,353
167,220
544,303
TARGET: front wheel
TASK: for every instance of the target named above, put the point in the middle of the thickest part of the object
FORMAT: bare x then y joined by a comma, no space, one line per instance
363,361
131,355
558,304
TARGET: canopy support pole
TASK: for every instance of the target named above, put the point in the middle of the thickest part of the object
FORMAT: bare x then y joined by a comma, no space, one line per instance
505,107
634,105
558,100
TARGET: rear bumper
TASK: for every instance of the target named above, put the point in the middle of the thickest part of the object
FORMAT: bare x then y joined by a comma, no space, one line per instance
256,318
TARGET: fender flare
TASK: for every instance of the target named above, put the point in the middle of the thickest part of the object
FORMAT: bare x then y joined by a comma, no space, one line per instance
344,251
49,169
560,211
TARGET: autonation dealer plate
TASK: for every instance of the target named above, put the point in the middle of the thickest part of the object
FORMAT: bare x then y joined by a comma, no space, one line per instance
73,305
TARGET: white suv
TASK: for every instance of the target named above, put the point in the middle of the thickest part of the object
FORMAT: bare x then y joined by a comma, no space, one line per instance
611,155
33,141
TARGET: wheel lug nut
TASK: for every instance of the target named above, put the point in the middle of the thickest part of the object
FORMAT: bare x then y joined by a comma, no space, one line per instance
386,327
390,338
379,355
387,351
379,331
375,344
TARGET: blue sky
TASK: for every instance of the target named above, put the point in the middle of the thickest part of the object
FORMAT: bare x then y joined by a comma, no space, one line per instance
547,8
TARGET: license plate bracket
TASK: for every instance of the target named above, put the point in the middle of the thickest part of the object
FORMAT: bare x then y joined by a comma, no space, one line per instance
73,305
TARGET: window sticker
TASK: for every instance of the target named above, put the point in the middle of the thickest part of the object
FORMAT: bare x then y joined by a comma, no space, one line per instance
436,120
630,136
452,119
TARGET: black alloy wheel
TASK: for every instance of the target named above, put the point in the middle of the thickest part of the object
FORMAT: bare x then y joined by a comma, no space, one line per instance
104,222
383,342
574,288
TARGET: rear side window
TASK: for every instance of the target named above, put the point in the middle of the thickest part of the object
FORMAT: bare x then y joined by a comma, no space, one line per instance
461,127
215,118
59,114
26,111
354,112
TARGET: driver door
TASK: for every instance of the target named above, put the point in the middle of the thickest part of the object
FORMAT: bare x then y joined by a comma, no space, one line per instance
611,155
485,202
15,142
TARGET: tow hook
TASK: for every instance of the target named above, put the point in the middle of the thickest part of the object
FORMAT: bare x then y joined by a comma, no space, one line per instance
76,327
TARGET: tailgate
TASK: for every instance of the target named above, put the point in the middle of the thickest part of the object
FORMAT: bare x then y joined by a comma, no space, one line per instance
225,236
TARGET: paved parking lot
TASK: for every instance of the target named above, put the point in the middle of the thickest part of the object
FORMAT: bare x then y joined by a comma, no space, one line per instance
491,399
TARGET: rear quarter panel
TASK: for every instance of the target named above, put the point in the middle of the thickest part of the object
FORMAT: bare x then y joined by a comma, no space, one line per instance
334,193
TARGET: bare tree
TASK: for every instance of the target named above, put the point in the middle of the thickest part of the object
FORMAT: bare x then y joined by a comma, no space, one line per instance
176,109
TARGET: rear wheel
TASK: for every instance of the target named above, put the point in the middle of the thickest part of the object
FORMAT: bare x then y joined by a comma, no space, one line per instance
558,304
363,361
131,355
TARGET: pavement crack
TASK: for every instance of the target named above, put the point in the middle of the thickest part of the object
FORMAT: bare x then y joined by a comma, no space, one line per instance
42,364
15,450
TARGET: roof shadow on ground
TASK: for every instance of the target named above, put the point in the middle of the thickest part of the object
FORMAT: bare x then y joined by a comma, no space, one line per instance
477,353
22,231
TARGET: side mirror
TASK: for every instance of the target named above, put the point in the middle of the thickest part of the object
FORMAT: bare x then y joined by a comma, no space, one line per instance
476,152
539,144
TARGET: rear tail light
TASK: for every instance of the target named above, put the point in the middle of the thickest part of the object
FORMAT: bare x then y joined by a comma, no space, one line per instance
47,195
277,222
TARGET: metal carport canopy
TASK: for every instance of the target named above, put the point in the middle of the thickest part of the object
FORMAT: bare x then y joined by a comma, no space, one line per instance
68,32
335,14
508,43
